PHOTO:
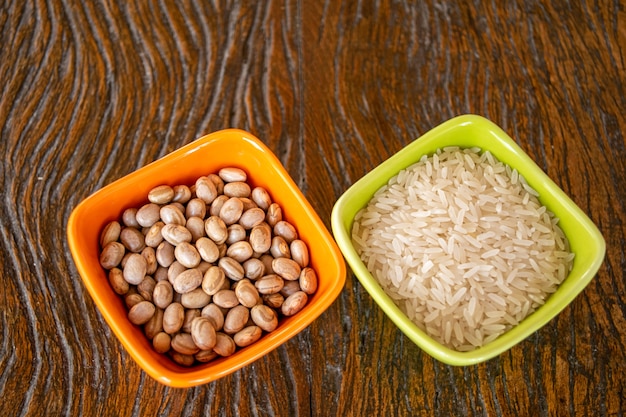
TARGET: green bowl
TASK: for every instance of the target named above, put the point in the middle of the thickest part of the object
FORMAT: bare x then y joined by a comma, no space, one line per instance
468,131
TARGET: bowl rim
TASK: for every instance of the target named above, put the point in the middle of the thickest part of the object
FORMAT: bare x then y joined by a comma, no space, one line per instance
188,377
342,217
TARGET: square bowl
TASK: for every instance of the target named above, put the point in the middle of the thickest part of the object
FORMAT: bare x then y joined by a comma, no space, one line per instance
467,131
206,155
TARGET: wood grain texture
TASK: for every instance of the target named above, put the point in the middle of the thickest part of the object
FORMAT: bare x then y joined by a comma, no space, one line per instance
94,90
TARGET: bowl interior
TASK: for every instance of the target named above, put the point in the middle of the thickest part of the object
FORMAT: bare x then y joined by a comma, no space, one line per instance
469,131
206,155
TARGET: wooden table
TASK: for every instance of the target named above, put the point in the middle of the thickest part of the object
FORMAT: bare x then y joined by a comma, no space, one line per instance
94,90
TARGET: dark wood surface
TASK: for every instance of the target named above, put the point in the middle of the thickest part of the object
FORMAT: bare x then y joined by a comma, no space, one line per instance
91,91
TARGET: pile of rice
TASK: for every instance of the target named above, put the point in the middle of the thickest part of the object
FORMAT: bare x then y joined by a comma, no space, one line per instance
462,245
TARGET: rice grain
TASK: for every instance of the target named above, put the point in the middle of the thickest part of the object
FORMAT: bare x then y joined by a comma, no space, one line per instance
462,245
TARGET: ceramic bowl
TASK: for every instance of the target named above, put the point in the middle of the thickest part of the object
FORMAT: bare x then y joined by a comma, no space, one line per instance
204,156
474,131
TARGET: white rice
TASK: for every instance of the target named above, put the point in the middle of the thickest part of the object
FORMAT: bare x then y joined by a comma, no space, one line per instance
462,245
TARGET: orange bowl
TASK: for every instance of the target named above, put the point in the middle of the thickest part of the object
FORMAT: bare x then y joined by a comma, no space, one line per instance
231,147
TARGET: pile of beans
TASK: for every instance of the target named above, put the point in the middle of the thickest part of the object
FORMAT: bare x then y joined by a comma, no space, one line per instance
208,268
